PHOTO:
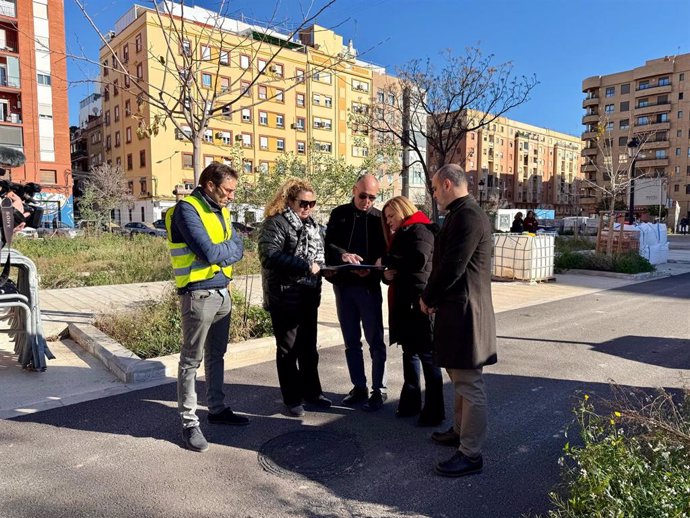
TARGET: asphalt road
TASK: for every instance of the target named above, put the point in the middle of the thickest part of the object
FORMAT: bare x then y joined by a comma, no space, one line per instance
120,456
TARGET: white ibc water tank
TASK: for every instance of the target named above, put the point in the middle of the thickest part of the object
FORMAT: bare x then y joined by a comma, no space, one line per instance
523,257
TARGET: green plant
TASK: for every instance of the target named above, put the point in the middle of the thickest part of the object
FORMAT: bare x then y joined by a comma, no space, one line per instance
155,329
632,462
629,262
571,244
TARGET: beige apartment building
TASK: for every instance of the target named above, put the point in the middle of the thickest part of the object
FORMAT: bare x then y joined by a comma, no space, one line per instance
651,101
511,164
295,100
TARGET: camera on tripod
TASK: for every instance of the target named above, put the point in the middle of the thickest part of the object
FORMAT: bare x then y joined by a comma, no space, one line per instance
32,212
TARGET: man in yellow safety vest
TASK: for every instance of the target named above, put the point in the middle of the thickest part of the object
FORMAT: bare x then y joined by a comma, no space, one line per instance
203,249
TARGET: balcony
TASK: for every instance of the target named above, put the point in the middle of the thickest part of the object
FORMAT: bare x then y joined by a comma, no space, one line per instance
656,144
590,151
592,118
650,128
590,134
653,108
651,162
590,101
653,90
589,168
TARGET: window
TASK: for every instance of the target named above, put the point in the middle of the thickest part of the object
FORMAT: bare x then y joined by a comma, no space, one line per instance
246,87
322,77
680,114
609,126
624,124
643,85
206,80
301,147
208,136
247,166
244,61
246,140
106,70
610,91
263,118
380,96
681,77
328,101
609,108
186,48
261,64
205,53
263,143
299,75
225,137
137,43
142,158
360,86
642,121
625,89
43,79
663,81
661,153
128,134
187,161
300,123
108,142
107,118
662,117
140,71
142,187
280,144
48,176
263,92
277,69
224,57
316,99
622,141
643,103
130,162
117,139
280,121
116,113
226,111
246,115
127,80
300,100
680,96
224,84
625,106
279,95
128,108
125,53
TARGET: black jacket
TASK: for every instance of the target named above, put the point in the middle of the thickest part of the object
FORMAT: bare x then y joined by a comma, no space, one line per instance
351,230
410,255
282,271
460,289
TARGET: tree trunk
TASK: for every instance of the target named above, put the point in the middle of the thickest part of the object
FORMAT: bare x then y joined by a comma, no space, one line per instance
196,157
609,241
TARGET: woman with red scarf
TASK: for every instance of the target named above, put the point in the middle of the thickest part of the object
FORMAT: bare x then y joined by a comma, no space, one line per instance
410,238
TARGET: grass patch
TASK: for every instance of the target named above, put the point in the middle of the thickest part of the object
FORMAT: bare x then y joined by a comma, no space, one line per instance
632,460
156,329
629,262
109,259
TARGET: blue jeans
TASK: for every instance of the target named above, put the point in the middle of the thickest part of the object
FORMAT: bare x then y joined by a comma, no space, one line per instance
205,330
355,305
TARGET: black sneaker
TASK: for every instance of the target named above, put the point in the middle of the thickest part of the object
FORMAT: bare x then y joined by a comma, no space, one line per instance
448,438
460,465
193,439
375,401
321,401
356,395
227,416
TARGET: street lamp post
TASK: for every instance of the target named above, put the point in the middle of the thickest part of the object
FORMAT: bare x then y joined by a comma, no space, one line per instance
633,144
481,191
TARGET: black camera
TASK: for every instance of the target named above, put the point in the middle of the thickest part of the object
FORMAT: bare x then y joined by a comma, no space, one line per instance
10,158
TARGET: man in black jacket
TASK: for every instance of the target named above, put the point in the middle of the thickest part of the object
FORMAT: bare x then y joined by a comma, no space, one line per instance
459,294
354,235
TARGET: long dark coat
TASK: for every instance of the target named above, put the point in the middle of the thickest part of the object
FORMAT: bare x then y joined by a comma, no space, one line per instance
410,255
460,289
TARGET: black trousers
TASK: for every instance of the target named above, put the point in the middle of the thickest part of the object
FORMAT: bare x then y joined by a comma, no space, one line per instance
296,357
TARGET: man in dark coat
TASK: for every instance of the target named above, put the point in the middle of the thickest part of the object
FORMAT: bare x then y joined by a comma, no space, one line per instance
459,294
354,235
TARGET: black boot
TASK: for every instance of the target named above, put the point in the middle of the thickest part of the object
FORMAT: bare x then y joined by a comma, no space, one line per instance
410,402
434,411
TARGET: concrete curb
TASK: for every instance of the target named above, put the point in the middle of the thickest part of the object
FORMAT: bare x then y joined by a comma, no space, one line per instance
615,275
130,368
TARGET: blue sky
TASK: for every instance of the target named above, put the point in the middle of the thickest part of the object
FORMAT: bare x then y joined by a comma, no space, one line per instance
560,41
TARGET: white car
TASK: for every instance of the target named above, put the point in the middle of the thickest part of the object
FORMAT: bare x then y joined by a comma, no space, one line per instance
136,227
48,230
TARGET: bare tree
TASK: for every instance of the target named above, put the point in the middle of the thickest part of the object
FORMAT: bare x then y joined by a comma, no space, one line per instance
194,52
105,189
613,165
430,108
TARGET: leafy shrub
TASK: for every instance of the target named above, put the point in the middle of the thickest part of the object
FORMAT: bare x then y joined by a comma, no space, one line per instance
155,329
571,244
632,463
629,262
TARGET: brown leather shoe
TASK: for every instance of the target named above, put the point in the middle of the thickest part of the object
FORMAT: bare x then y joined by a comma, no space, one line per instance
448,438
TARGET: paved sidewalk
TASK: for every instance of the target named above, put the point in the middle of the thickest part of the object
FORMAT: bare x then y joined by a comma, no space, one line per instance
76,376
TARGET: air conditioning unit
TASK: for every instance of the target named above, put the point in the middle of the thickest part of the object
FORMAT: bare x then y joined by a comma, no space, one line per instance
238,138
110,35
219,134
293,126
274,69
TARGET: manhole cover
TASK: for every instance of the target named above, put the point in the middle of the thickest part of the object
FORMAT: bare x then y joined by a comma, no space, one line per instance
313,454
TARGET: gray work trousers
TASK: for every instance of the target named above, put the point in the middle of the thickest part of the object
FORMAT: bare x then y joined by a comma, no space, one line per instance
470,409
205,334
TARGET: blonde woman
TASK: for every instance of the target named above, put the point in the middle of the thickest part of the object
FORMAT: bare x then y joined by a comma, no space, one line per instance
291,253
410,238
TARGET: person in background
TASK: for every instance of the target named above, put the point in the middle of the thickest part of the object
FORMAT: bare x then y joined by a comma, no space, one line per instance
530,223
410,237
354,236
459,295
291,253
517,225
203,249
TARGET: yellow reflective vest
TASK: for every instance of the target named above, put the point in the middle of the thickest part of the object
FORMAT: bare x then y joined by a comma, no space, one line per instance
187,267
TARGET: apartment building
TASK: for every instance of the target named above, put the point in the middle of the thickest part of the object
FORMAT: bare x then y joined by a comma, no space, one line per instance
511,164
296,100
651,101
33,99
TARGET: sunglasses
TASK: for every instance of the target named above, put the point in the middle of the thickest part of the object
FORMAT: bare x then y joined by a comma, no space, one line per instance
304,204
363,196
